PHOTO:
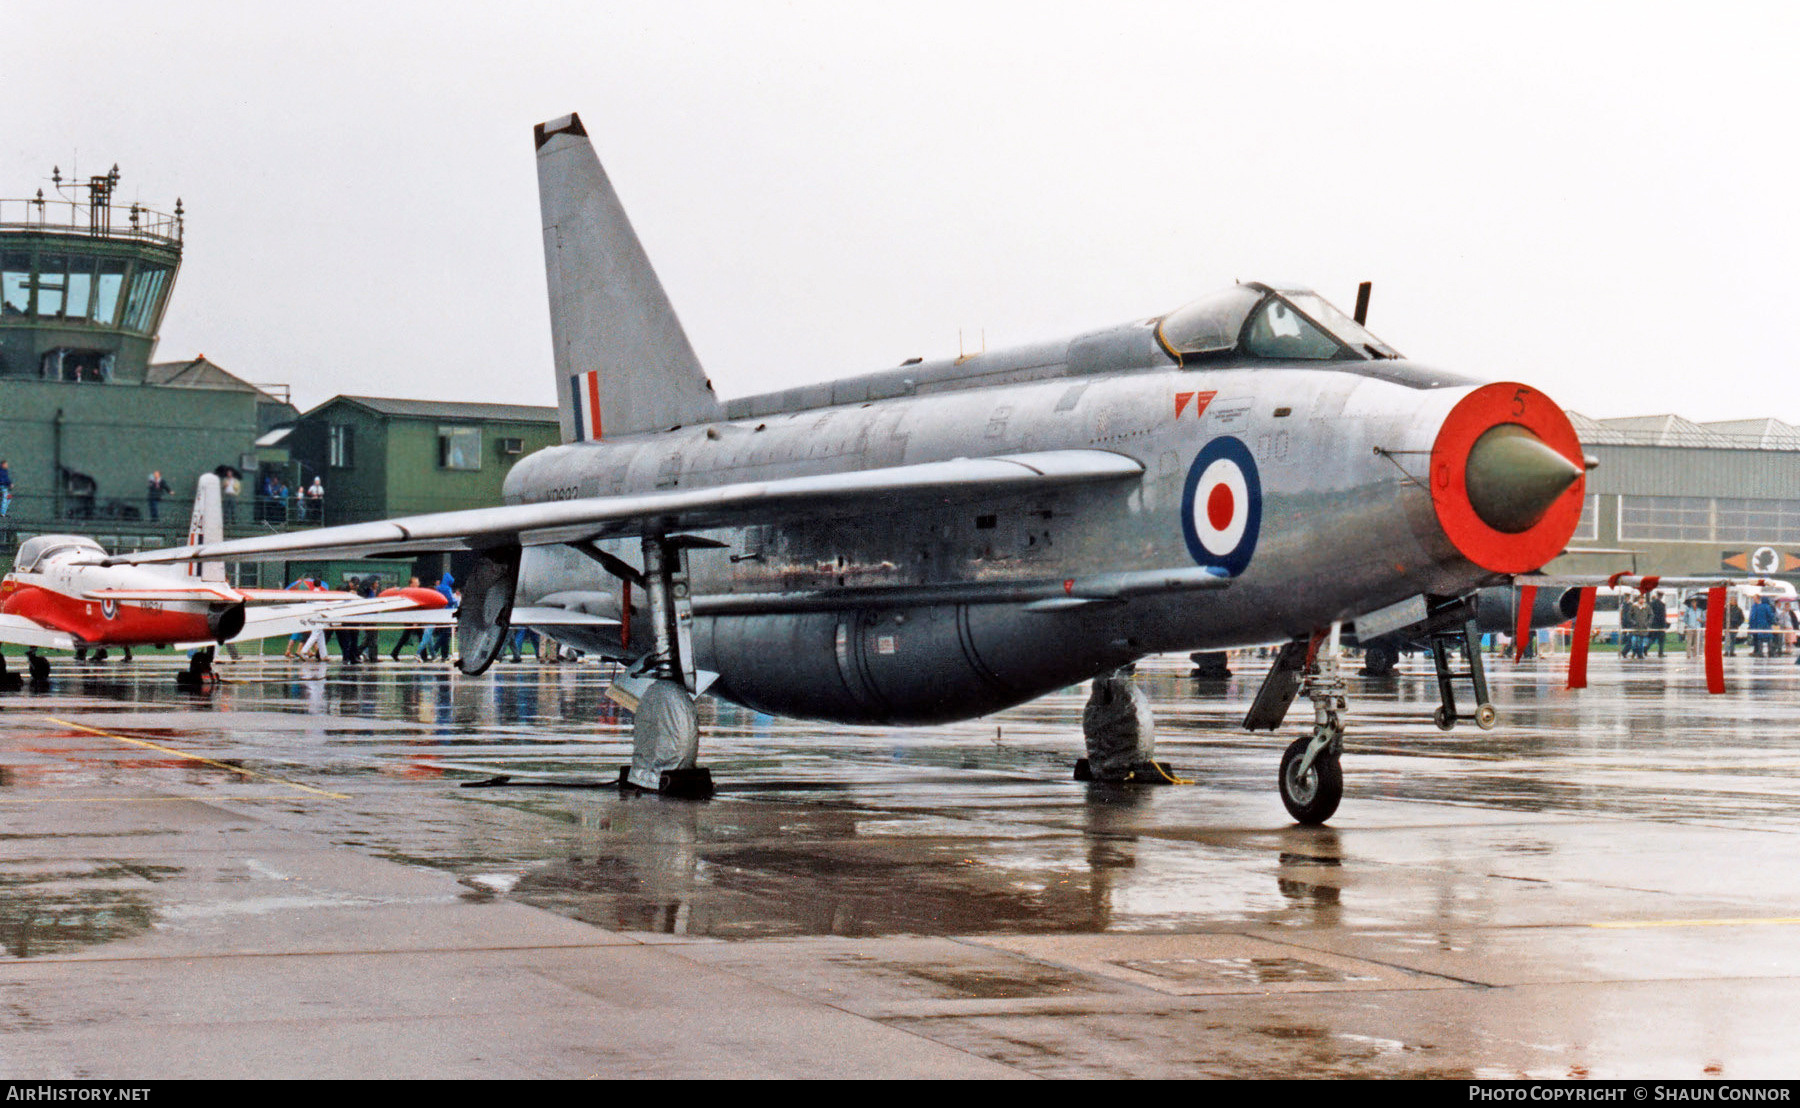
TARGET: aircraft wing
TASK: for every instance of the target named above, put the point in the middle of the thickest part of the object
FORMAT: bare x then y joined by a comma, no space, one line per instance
1641,581
292,596
749,502
26,632
311,615
522,616
219,593
1586,585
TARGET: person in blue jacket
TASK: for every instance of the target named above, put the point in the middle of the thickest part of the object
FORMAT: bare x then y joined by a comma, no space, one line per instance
437,640
1762,628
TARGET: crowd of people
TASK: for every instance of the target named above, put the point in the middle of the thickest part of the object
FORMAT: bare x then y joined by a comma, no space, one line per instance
362,645
275,500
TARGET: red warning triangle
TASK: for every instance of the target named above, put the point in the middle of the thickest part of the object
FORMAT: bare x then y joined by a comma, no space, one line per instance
1181,401
1201,400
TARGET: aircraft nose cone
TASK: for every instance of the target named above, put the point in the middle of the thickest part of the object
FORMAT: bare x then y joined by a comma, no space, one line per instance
1513,477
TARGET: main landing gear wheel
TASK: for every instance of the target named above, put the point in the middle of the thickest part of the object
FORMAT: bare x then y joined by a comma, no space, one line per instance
1379,660
1311,798
198,673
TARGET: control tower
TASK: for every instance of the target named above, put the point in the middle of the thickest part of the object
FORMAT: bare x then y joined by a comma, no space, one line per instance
85,415
83,284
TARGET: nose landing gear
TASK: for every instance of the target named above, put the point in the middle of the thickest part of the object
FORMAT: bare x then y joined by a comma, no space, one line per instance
1311,779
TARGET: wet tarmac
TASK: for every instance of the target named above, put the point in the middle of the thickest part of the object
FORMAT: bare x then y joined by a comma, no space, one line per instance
312,872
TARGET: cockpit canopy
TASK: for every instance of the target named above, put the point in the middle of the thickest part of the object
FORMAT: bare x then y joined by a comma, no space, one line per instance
1257,321
33,551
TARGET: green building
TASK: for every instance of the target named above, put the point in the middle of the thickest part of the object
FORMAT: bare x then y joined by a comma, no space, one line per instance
85,416
378,457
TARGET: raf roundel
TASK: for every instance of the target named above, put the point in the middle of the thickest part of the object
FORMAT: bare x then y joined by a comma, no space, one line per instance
1221,507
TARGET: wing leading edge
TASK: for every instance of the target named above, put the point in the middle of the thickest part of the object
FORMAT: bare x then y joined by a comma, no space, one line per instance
754,502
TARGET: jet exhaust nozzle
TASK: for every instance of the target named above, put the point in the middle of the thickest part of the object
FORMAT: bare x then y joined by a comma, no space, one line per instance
1513,478
225,621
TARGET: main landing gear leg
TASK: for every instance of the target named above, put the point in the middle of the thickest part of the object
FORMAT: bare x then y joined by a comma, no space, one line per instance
1120,730
665,734
40,669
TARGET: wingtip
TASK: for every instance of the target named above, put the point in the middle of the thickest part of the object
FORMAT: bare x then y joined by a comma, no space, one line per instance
564,125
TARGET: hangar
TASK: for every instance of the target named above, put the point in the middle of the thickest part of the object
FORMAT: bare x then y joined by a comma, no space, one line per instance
1691,498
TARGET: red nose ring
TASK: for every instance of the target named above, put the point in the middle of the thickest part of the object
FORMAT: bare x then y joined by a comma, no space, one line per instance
1507,478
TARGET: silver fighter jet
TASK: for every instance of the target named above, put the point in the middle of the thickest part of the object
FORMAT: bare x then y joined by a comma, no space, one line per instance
949,538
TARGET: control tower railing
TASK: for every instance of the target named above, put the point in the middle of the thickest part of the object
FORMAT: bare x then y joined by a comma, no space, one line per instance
96,215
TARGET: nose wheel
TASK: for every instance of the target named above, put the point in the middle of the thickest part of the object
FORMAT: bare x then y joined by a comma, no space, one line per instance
1311,795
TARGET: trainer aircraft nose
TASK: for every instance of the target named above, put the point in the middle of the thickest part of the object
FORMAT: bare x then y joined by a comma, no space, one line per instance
1507,477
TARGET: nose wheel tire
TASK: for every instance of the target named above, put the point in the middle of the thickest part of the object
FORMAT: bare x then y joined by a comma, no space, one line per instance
1311,798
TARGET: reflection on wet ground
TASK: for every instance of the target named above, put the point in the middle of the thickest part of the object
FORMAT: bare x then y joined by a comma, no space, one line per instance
1642,802
828,830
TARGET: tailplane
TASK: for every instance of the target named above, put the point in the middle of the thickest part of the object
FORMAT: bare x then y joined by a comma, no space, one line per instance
623,362
207,526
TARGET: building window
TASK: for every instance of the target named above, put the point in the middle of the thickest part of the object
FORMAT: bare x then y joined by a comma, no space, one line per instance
109,281
141,303
1759,521
52,280
1589,527
341,440
512,446
63,364
15,284
1666,518
459,447
1705,519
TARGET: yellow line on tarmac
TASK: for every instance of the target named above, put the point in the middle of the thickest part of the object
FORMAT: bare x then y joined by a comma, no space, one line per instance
1628,924
196,758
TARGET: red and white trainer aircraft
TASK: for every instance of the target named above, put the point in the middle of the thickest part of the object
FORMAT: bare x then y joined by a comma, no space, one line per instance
61,596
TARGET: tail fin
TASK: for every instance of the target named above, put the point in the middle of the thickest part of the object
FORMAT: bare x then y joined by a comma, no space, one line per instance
206,526
623,363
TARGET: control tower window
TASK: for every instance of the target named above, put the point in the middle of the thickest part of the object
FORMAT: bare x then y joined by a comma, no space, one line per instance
1277,330
51,279
107,284
15,284
141,302
81,287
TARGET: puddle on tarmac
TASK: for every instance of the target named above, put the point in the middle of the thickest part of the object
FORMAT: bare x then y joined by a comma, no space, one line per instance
56,911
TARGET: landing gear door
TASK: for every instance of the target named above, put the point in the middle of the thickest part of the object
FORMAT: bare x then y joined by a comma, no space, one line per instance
683,600
485,617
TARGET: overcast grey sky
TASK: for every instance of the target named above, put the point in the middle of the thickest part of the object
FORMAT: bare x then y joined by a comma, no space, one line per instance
1598,200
